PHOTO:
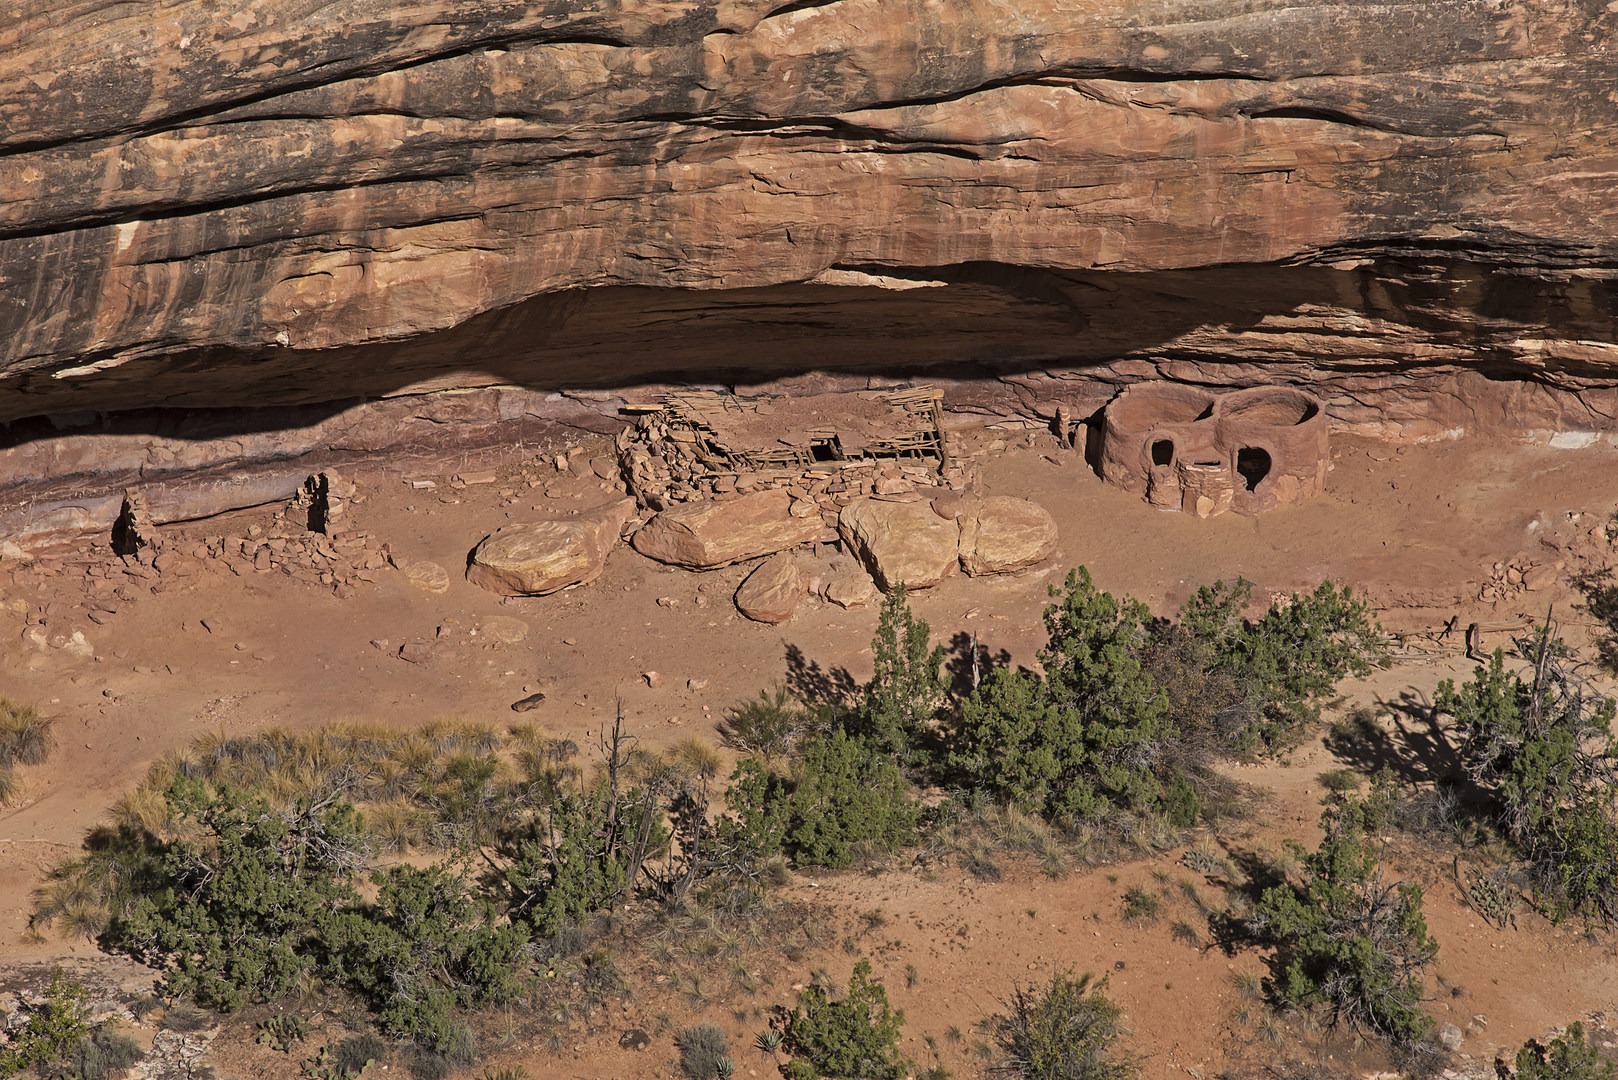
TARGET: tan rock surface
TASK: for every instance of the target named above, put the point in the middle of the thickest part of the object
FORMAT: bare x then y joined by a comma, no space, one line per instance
1000,534
194,208
427,576
900,542
773,591
710,534
538,558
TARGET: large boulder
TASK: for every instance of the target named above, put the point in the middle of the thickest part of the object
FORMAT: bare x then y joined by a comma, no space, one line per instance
772,591
900,542
1000,534
543,557
709,534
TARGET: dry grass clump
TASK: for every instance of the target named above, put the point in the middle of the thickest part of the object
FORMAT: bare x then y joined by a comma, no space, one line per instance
26,738
976,834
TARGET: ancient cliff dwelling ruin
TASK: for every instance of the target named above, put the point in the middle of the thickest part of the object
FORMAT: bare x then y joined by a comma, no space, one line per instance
833,447
1204,452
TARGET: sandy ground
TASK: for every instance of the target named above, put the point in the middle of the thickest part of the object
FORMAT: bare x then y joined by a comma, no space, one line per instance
1421,528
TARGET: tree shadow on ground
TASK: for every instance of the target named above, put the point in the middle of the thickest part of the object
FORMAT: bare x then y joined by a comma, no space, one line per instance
967,662
1416,749
1253,872
812,684
1600,593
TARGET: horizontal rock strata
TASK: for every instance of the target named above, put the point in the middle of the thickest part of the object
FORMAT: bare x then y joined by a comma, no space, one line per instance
210,206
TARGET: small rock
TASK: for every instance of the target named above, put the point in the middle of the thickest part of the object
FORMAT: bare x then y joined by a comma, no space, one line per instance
427,576
416,652
529,703
503,629
1451,1036
634,1039
1540,577
696,684
652,679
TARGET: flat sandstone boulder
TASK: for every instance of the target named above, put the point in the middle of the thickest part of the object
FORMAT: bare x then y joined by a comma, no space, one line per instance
543,557
900,542
707,535
772,591
1000,534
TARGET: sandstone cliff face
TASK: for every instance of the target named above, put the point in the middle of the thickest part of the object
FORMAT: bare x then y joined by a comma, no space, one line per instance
196,199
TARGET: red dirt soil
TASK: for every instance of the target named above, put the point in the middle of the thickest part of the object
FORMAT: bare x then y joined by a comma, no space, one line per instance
1420,528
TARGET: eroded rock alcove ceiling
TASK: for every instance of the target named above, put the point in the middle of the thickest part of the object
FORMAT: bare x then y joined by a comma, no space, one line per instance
280,207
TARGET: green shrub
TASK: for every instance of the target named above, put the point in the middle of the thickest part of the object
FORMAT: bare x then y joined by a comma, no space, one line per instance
1068,1030
424,950
1084,740
907,687
752,836
238,907
54,1030
1543,748
1289,661
1344,939
281,1032
855,1037
104,1053
1140,905
1566,1057
848,794
568,863
346,1059
704,1050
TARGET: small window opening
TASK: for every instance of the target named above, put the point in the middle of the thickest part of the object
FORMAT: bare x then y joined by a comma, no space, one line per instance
1163,452
825,450
1252,465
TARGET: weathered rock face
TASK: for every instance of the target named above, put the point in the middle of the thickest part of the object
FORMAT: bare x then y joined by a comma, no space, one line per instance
709,534
197,203
900,543
1001,534
539,558
773,590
